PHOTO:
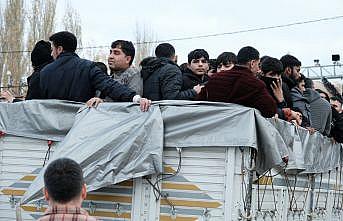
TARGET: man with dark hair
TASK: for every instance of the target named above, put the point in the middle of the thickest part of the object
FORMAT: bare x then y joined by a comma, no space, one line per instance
226,61
321,114
323,94
290,75
122,54
271,69
162,78
72,78
337,119
65,189
212,63
197,68
337,104
165,50
300,102
240,85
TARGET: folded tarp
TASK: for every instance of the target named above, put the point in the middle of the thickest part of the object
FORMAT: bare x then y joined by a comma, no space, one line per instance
117,141
308,153
40,119
112,143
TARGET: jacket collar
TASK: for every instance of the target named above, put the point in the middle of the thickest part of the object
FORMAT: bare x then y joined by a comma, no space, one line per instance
67,54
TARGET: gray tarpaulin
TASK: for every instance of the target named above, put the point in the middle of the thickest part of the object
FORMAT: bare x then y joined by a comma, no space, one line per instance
116,141
308,153
112,143
45,119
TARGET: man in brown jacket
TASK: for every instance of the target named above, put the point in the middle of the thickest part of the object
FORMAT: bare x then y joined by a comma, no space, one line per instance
240,85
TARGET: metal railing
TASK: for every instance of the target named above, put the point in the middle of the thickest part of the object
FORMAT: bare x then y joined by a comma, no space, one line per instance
319,71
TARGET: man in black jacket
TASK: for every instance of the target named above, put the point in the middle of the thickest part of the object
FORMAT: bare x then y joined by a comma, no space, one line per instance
72,78
162,78
196,71
290,75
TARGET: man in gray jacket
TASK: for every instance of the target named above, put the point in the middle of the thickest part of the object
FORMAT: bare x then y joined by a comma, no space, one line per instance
320,109
120,61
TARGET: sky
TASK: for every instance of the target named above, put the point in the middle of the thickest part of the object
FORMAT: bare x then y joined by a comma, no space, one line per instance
104,21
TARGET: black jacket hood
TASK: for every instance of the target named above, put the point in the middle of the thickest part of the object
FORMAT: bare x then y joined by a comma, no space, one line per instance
151,64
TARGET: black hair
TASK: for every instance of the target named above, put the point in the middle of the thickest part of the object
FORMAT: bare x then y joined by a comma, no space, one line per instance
247,54
197,54
184,67
335,98
65,39
41,54
271,64
165,50
212,64
102,66
289,61
126,46
323,92
63,179
301,78
308,83
226,58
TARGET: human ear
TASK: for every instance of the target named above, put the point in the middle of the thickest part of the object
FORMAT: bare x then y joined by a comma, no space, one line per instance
84,192
46,194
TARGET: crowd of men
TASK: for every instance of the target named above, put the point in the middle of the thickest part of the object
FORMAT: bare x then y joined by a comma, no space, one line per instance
273,86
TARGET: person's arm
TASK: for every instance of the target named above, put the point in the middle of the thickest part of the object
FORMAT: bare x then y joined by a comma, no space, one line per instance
115,90
112,88
171,84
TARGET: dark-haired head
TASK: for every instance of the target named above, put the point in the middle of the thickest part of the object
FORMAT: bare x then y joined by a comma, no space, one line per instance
126,46
64,39
226,61
291,66
271,66
289,61
63,180
165,50
102,66
249,57
198,62
247,54
197,54
309,83
323,94
41,54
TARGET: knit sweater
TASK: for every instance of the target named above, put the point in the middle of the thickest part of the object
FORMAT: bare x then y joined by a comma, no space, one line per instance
240,86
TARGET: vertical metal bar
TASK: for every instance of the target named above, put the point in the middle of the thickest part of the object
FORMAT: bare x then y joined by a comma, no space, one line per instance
230,184
249,188
310,207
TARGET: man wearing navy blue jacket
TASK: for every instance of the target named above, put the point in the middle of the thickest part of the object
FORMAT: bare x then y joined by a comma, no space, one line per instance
71,78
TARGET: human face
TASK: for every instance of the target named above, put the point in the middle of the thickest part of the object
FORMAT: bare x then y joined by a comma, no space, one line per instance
301,85
295,72
225,67
254,66
118,60
56,51
337,105
199,66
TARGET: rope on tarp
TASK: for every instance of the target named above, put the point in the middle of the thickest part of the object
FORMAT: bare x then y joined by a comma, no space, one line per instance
47,154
